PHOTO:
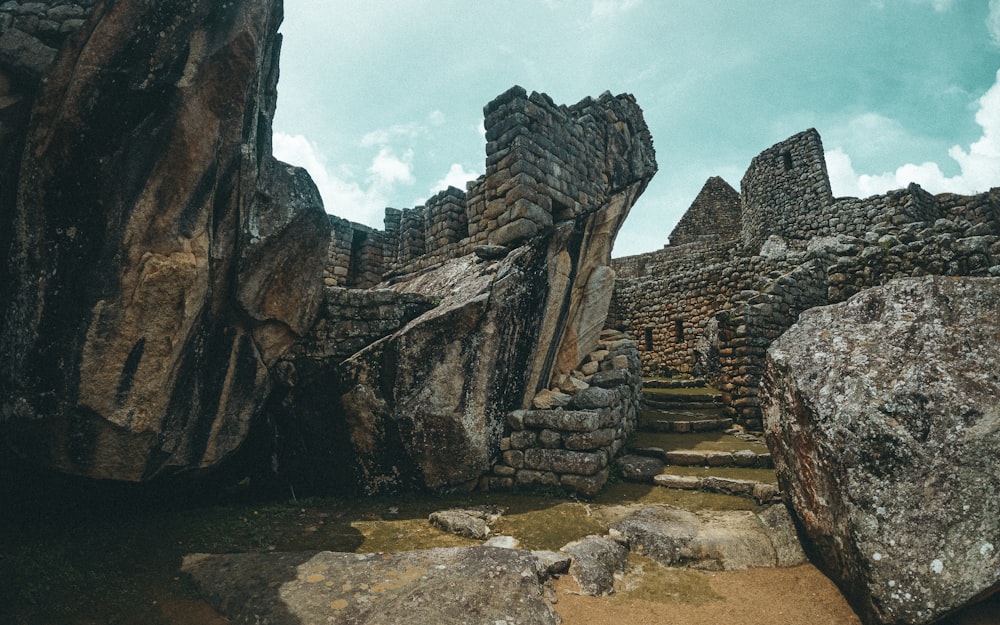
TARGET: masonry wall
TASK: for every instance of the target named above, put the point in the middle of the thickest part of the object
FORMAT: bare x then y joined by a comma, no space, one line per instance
712,307
784,183
715,212
50,21
574,430
544,163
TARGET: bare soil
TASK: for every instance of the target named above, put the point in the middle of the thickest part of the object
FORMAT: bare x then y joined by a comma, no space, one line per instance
796,596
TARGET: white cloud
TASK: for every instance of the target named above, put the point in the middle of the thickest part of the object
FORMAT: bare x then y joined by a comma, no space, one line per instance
384,136
388,169
939,6
436,118
979,165
457,176
993,21
610,8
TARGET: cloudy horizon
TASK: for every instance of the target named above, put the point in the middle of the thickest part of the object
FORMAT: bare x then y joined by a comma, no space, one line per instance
892,104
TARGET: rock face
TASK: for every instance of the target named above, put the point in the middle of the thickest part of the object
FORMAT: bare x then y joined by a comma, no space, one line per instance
156,257
432,587
883,414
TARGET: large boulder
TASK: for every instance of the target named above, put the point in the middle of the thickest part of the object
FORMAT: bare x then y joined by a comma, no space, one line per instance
883,415
156,255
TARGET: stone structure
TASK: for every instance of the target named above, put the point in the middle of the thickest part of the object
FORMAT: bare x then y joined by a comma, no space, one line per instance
168,286
521,280
712,301
542,166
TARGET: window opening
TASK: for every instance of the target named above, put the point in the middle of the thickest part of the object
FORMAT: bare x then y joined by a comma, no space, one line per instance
786,156
678,331
649,339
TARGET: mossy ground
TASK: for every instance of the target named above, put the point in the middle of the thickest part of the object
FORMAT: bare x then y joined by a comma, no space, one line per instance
89,562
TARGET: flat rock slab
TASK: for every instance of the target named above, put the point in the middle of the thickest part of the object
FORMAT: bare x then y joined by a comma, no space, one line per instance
456,585
728,541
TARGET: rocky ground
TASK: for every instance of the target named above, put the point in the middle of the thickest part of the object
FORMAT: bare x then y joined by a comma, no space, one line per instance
669,555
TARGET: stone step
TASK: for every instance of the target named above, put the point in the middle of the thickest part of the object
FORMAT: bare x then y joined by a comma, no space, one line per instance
697,458
683,426
763,492
673,383
671,399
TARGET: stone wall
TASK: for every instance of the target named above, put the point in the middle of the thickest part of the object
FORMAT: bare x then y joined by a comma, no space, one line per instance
544,163
715,212
50,22
784,183
575,429
711,307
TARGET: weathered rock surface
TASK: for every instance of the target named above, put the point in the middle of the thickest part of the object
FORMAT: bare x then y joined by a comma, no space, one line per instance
469,522
883,414
729,541
158,255
596,559
432,587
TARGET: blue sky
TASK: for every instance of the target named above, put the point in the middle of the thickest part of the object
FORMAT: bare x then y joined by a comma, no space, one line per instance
382,100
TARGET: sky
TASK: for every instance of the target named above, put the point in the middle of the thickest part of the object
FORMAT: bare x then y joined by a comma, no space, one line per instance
381,101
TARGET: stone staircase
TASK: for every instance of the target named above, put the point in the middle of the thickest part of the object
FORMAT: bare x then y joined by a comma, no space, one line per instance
684,442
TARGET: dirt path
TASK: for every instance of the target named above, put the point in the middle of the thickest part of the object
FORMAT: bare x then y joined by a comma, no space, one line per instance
795,596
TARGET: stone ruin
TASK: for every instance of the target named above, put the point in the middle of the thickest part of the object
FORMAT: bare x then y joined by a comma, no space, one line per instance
174,298
741,267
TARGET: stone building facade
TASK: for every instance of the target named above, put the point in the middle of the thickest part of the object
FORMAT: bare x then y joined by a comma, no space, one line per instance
711,301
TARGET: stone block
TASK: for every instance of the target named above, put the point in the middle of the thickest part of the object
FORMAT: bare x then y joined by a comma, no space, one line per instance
523,439
514,458
563,420
564,461
683,482
586,485
550,439
527,477
594,397
513,233
685,458
586,441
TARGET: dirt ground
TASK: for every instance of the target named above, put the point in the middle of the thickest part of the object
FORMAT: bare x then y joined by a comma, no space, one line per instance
796,596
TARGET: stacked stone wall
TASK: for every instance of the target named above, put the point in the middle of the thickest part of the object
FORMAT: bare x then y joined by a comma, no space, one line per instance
713,308
352,319
575,429
356,255
544,163
784,183
716,212
50,22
